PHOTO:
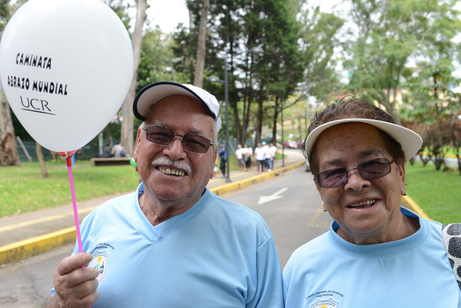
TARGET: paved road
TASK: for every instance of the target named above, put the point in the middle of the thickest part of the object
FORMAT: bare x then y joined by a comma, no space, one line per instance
294,215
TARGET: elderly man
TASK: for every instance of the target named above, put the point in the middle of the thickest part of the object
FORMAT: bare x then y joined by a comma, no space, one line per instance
172,243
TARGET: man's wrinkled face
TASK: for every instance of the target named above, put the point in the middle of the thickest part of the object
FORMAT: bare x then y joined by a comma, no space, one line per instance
170,172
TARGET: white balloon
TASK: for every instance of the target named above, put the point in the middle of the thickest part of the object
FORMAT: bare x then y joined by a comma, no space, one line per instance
66,67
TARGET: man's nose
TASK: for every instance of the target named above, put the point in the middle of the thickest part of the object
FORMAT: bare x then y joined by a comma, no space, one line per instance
175,149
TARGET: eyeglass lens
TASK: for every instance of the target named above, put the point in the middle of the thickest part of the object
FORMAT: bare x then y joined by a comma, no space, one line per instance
165,136
370,170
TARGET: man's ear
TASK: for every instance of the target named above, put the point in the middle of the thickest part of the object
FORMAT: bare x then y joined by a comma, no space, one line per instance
138,140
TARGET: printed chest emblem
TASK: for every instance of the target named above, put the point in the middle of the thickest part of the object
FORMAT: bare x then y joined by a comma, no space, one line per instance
99,262
325,303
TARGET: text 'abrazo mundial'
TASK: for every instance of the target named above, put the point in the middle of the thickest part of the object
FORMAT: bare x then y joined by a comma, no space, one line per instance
24,83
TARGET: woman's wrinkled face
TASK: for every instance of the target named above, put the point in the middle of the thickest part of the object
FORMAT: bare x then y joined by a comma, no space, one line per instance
362,208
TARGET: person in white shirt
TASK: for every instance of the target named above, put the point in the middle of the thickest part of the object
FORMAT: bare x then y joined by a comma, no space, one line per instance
239,155
260,158
267,156
248,157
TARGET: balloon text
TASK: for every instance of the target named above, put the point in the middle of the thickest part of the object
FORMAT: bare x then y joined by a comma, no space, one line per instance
33,60
18,82
39,86
35,105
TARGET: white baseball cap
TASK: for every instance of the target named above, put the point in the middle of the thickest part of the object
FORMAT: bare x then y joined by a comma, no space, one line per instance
410,141
154,92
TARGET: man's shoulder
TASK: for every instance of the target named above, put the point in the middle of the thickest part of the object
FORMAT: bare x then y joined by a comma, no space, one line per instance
236,212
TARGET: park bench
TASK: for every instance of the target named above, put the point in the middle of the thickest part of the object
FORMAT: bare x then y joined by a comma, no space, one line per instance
110,161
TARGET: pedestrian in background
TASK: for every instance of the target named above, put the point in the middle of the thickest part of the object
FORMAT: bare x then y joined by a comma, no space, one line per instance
248,157
267,156
239,155
222,159
107,151
260,158
118,150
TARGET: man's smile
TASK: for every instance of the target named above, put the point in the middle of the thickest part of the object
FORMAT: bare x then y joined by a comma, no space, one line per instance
170,171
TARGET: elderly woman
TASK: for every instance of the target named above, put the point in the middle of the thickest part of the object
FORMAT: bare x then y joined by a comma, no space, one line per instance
377,253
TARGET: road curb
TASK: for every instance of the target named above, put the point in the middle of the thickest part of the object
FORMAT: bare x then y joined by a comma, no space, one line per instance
219,191
411,204
25,249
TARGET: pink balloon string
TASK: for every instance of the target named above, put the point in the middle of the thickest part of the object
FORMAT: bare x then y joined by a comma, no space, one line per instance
74,203
68,158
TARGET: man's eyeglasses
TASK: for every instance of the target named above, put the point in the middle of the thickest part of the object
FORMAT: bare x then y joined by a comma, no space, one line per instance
370,170
164,136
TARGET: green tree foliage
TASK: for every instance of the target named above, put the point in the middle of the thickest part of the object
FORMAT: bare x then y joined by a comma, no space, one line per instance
386,35
4,14
433,103
258,39
318,37
157,59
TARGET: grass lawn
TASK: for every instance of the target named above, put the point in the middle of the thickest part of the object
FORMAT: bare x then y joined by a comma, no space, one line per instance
437,193
24,189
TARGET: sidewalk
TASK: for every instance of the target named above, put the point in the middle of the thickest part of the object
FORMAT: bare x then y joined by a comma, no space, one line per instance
28,234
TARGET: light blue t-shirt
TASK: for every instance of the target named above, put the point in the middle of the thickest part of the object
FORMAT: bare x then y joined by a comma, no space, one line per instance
410,273
216,254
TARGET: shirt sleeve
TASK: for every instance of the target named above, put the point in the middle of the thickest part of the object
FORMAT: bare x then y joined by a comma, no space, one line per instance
269,292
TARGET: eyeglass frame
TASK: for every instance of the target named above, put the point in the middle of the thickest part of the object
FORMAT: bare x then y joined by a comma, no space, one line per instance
389,163
182,139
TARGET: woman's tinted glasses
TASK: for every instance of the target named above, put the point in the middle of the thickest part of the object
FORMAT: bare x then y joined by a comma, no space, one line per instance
370,170
190,142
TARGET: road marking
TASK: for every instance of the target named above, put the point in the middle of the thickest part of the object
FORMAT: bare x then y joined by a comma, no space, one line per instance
274,196
316,215
43,219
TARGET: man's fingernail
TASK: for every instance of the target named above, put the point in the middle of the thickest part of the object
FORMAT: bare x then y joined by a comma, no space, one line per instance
97,272
87,258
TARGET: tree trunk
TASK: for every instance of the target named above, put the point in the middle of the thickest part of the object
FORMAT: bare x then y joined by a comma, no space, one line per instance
247,110
41,160
200,66
108,136
9,155
274,121
259,122
234,98
127,107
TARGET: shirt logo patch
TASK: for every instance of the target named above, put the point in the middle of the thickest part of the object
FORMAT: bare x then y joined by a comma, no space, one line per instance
99,262
325,303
